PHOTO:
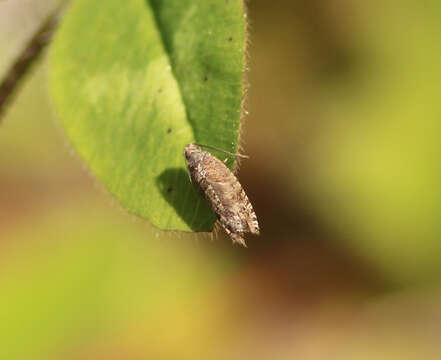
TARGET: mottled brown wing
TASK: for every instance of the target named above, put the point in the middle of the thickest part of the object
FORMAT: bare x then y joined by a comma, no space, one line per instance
225,195
234,203
229,208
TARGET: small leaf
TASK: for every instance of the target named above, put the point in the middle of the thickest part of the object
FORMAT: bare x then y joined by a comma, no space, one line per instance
134,82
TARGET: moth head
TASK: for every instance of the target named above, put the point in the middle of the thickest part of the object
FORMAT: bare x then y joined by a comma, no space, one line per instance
192,154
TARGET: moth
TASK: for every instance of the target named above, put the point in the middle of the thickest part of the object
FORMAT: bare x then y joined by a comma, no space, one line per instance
221,189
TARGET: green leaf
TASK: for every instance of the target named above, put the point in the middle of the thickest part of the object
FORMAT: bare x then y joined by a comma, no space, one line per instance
134,82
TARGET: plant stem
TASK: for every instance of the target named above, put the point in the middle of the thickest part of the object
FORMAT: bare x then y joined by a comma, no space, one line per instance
27,57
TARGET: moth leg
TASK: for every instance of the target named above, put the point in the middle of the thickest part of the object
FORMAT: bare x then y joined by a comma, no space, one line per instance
237,239
217,228
225,161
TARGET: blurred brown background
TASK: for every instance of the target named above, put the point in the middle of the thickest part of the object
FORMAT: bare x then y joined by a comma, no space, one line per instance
343,134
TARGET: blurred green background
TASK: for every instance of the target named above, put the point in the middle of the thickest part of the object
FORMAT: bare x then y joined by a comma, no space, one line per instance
343,135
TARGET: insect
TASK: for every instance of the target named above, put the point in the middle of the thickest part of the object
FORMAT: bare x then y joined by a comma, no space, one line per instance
222,191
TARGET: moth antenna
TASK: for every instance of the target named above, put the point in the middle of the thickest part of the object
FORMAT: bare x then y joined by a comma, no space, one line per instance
222,150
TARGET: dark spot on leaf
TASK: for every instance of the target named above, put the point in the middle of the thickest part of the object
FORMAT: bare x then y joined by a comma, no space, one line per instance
160,90
169,189
205,78
169,130
230,38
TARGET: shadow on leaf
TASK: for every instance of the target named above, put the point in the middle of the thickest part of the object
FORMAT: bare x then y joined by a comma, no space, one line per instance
176,188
